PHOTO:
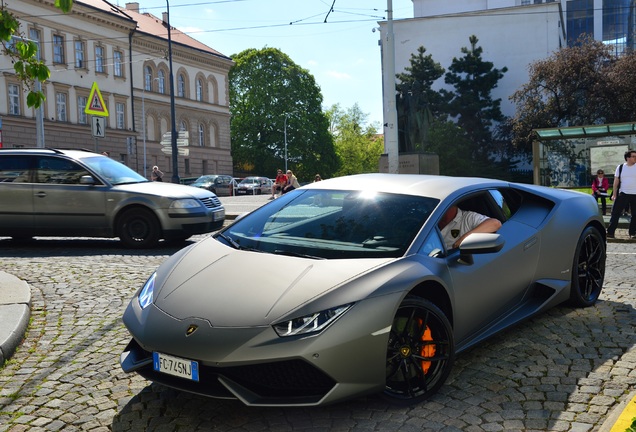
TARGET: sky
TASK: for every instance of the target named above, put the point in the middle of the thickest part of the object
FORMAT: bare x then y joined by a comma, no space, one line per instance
342,54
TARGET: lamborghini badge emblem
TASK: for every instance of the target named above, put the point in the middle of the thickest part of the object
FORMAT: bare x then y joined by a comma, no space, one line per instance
455,233
405,351
191,329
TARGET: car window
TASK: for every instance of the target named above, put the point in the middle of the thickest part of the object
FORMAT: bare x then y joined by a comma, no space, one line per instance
334,224
433,245
58,171
14,169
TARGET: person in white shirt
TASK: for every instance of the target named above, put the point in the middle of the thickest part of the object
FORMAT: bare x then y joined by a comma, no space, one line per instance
456,224
624,194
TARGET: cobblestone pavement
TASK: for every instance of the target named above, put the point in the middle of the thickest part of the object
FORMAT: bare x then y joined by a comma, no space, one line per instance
562,371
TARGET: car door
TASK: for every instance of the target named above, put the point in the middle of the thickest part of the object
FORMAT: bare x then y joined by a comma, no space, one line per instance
16,195
64,206
494,283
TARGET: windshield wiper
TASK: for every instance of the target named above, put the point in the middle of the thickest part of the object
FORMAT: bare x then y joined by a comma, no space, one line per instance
230,240
235,244
296,254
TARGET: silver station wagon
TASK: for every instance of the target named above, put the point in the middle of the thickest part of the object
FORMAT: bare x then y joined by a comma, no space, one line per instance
71,193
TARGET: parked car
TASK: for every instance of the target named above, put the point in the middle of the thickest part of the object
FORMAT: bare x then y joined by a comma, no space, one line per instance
254,186
221,185
350,288
70,193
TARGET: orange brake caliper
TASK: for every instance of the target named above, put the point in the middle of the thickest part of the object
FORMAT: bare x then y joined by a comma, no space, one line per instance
428,350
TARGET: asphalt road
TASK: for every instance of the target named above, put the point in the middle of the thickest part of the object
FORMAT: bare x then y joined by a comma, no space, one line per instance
565,370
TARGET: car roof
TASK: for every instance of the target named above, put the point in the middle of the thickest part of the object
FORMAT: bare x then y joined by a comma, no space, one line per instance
408,184
75,154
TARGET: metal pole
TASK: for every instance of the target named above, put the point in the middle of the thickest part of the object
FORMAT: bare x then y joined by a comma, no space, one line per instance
173,135
390,113
143,123
286,142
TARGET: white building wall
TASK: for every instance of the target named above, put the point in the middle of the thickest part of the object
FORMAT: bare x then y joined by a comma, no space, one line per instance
510,37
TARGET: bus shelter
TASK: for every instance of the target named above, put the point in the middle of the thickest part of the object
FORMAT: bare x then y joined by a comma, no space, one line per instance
569,157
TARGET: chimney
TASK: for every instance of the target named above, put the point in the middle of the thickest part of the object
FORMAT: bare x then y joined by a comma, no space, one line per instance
164,17
134,7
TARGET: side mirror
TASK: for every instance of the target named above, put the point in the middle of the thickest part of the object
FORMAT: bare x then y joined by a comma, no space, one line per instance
479,243
87,180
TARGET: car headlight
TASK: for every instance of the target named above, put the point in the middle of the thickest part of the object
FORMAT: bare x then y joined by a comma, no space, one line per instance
187,203
312,323
147,292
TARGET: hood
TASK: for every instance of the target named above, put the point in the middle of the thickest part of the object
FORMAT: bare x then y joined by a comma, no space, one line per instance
230,287
164,189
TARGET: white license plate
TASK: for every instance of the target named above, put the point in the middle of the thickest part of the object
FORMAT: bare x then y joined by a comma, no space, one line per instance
171,365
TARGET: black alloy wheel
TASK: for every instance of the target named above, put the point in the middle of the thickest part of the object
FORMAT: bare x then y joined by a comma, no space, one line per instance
420,352
138,228
588,269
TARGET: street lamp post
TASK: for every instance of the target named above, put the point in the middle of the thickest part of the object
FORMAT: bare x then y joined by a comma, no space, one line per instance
285,135
285,132
173,134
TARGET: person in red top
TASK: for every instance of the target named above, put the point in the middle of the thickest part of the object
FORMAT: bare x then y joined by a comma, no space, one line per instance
600,185
279,183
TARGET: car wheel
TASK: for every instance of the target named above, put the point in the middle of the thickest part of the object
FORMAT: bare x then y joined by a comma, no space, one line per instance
588,270
420,353
139,228
259,191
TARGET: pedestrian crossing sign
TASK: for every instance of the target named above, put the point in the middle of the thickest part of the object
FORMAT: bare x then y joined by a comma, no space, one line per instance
96,105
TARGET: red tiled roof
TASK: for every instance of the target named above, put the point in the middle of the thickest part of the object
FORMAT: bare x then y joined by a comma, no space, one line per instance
152,25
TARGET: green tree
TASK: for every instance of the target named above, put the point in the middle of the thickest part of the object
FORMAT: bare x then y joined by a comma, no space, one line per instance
577,85
23,52
471,102
358,146
271,95
416,102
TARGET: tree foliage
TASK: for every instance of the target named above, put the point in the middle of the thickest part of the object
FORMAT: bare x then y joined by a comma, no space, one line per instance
416,102
577,85
271,95
358,147
23,52
462,124
471,102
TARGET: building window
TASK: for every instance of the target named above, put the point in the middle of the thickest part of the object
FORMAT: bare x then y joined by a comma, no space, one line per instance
162,82
99,59
120,112
199,90
148,78
580,20
58,49
14,99
616,18
36,36
186,163
60,107
181,86
201,135
118,59
82,117
80,59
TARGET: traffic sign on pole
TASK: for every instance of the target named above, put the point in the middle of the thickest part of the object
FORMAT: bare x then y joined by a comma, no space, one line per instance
96,105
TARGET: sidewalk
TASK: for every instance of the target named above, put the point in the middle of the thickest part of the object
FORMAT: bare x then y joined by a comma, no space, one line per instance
15,311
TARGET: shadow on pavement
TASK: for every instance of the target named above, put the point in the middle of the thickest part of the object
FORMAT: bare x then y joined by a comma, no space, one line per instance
535,376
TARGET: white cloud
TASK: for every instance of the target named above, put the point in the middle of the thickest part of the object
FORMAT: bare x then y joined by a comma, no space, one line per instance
338,75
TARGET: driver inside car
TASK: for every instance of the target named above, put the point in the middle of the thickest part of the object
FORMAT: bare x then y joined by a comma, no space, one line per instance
456,224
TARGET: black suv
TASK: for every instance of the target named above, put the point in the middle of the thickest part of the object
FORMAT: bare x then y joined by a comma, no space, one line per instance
72,193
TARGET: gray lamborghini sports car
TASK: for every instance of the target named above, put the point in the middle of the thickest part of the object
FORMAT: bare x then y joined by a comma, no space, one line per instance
344,287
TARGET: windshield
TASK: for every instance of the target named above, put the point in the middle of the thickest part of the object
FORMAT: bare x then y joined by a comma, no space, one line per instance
332,224
113,171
